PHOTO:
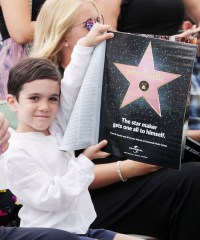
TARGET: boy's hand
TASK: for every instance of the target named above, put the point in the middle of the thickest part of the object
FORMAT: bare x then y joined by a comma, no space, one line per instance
94,152
96,35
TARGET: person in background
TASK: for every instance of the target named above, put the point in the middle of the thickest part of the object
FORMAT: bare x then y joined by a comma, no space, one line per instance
194,115
149,16
17,22
162,203
1,45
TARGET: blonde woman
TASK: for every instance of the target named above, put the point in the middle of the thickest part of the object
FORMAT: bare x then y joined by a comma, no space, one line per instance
157,202
52,33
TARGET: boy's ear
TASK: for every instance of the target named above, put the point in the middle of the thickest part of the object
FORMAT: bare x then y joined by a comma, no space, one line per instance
12,102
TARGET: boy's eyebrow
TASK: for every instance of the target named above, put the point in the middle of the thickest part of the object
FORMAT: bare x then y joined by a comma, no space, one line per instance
55,95
36,93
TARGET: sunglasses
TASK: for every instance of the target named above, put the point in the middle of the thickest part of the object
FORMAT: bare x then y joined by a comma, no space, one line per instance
89,23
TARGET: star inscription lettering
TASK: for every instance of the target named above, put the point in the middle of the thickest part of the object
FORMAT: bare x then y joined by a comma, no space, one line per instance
145,80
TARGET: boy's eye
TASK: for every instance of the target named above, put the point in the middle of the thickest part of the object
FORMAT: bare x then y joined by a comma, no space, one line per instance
34,98
54,99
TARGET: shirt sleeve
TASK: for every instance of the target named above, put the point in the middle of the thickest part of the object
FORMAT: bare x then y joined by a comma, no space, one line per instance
45,191
72,81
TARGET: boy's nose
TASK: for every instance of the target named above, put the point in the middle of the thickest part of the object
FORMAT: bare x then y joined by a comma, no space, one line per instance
44,106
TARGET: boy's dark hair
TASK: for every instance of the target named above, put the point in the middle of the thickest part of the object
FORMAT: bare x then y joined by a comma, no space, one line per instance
28,70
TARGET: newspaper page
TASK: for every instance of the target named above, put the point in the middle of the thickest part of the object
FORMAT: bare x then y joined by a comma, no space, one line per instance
83,126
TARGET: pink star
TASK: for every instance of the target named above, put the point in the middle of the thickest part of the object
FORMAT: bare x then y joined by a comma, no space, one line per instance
145,74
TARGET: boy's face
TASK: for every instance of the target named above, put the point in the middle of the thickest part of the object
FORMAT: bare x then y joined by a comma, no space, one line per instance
37,105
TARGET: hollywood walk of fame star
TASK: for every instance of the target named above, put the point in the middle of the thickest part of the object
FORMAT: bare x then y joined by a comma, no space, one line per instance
145,80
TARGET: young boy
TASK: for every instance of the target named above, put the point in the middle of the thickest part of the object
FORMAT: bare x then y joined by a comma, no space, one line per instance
51,185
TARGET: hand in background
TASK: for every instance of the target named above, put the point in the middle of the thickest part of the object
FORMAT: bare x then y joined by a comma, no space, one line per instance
4,134
190,32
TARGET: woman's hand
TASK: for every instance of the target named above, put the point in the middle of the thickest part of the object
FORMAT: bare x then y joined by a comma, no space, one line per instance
4,134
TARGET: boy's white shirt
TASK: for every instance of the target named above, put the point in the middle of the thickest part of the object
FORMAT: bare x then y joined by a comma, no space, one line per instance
52,185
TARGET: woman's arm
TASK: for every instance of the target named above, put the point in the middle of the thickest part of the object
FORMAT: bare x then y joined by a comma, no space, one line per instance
17,17
194,134
193,10
110,9
106,174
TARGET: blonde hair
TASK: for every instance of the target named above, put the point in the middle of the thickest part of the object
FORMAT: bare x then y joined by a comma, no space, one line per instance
53,24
